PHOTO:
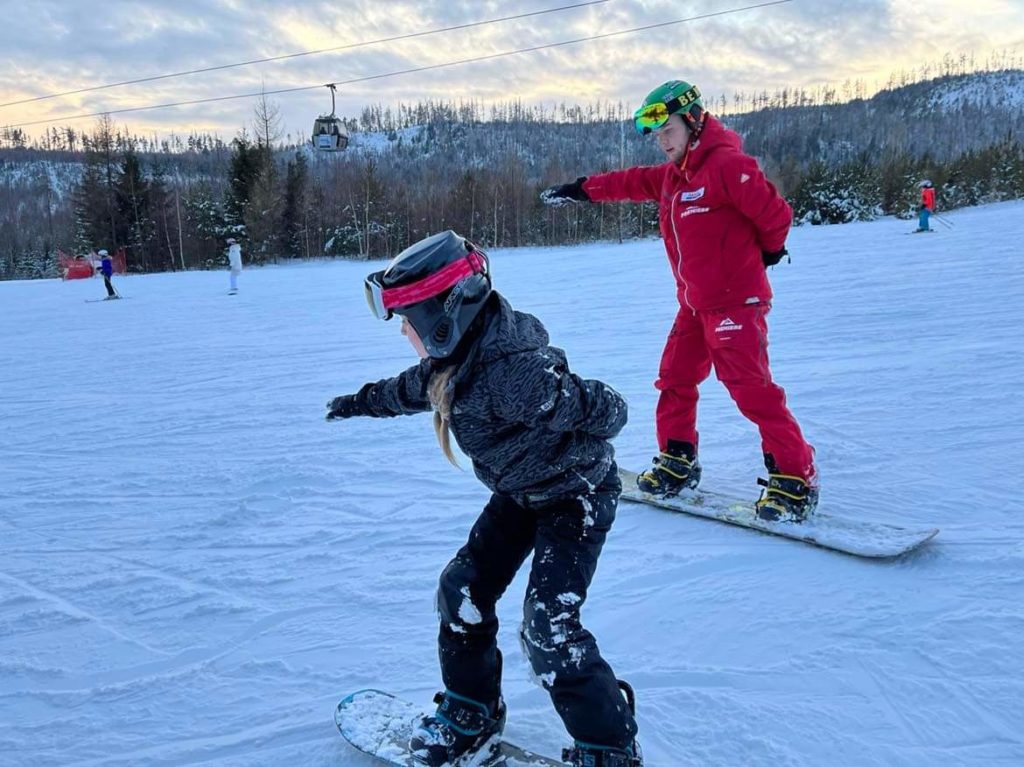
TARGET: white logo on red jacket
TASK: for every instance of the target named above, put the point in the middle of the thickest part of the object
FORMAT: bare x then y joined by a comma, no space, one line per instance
696,194
728,326
693,209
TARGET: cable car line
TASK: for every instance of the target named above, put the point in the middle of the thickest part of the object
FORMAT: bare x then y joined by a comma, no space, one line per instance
412,70
408,36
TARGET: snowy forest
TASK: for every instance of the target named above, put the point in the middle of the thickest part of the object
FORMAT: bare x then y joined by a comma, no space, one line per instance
420,168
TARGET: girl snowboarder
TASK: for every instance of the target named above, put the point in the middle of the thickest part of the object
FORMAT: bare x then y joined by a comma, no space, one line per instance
537,435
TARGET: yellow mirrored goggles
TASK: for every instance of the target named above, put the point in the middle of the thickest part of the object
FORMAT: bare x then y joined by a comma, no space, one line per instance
651,117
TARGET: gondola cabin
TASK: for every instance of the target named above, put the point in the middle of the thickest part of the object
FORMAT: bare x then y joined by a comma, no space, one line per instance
329,134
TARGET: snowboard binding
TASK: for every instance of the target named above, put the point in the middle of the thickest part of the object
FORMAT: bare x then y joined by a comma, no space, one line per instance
458,727
674,470
591,755
786,498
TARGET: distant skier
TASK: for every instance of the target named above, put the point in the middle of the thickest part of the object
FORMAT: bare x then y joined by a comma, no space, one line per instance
235,263
722,223
927,206
538,437
107,270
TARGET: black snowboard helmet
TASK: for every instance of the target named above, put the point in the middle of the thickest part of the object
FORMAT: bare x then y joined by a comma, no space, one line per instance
440,284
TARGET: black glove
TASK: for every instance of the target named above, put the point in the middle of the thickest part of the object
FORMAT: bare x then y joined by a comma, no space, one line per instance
559,195
344,406
771,258
349,405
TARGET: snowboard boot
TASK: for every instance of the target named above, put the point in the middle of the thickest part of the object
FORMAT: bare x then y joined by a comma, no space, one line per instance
460,727
786,498
591,755
674,470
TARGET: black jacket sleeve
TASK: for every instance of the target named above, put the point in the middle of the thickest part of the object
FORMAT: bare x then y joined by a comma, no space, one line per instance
404,394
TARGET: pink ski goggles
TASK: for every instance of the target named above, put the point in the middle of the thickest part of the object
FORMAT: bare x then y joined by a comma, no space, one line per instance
383,301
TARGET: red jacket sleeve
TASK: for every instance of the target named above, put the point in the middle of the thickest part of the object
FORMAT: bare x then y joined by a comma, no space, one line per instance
758,200
640,184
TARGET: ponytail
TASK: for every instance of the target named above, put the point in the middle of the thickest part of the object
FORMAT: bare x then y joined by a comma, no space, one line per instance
440,395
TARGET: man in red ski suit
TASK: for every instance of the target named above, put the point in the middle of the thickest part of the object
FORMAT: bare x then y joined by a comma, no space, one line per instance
722,223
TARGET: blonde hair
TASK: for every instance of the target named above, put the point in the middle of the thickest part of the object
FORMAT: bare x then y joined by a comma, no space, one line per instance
440,395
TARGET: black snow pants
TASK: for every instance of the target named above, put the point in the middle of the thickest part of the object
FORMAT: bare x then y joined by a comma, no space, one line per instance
566,537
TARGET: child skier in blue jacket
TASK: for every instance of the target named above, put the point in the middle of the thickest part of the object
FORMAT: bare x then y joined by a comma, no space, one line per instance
107,270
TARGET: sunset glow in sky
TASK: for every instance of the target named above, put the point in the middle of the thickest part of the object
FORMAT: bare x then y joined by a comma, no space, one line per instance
50,46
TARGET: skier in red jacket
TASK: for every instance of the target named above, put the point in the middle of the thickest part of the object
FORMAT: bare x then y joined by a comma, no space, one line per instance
927,206
722,223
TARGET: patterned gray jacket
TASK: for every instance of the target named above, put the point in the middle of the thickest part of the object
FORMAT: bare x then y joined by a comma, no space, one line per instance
534,430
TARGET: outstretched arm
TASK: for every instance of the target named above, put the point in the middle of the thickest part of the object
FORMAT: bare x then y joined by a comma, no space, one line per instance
641,184
404,394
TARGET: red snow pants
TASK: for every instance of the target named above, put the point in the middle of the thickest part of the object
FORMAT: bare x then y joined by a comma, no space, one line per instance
735,343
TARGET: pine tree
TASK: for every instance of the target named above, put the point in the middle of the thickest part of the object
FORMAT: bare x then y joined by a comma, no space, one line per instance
208,225
261,215
165,240
131,194
293,214
243,173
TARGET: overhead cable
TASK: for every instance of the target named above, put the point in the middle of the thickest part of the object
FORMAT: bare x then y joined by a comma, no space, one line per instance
458,62
348,46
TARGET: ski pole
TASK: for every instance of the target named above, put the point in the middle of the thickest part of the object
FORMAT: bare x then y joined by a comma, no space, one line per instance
943,219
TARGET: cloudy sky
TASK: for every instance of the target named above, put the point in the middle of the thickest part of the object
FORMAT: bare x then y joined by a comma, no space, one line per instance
52,46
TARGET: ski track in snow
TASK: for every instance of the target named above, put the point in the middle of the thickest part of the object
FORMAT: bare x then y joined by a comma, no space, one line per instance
196,567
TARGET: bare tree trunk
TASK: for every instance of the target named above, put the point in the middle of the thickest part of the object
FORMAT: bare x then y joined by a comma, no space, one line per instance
497,235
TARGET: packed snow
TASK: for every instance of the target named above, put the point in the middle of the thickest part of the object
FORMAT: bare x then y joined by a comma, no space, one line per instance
196,566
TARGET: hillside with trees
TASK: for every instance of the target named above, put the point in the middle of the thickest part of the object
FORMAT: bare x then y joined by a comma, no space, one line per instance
420,168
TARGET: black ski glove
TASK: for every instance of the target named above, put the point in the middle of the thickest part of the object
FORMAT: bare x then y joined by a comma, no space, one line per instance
348,405
344,406
772,258
559,195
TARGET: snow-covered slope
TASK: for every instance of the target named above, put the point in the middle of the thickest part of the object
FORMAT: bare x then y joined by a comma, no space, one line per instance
194,566
988,90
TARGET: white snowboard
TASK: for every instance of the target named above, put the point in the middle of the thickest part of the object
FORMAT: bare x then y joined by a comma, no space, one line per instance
858,537
379,724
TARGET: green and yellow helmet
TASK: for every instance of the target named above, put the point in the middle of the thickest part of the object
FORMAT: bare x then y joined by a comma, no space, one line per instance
674,97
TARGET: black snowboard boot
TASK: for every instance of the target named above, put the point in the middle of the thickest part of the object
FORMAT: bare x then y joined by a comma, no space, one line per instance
674,470
458,728
591,755
786,498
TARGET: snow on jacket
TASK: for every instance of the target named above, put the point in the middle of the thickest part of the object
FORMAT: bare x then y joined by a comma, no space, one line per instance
717,213
235,257
530,426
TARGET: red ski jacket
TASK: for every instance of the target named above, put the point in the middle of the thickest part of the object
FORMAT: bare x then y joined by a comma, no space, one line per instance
928,198
717,213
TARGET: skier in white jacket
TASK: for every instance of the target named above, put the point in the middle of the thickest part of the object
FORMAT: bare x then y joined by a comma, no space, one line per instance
235,259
